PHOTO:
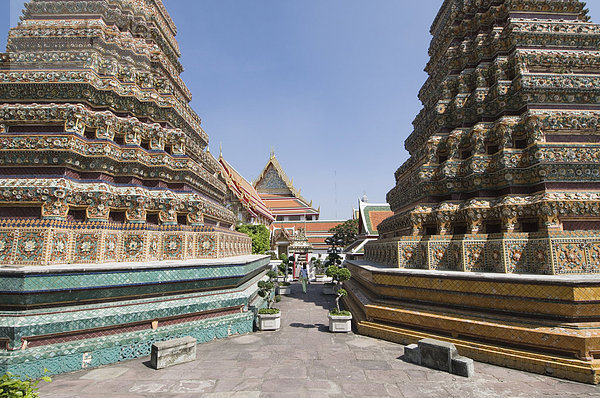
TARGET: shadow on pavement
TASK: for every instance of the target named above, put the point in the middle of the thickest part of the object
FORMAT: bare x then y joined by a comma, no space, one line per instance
313,295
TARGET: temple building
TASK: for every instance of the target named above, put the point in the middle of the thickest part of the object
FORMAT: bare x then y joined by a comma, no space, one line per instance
494,243
292,212
369,216
112,211
245,201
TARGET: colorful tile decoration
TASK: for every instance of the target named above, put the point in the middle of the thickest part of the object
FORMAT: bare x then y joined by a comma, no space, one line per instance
103,248
481,166
496,317
501,193
100,324
142,159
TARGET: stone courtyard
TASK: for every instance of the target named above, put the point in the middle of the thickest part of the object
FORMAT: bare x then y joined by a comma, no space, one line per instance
303,359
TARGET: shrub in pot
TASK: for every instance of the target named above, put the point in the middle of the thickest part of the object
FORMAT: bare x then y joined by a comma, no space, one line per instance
269,318
340,321
284,288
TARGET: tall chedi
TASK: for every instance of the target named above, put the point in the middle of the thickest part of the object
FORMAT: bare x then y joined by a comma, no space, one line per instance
503,179
105,175
97,133
507,141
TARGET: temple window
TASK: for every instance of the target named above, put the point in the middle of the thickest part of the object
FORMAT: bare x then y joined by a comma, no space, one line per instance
168,149
493,227
520,143
492,149
581,225
529,225
181,219
21,212
90,133
442,157
209,221
117,216
152,218
280,218
465,153
119,139
459,229
76,215
28,128
294,218
431,229
145,144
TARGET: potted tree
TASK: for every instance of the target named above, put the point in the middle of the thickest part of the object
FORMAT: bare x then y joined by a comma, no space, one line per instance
319,271
269,318
284,288
340,320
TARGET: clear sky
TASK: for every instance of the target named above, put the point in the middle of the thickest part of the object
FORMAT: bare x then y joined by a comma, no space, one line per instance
330,85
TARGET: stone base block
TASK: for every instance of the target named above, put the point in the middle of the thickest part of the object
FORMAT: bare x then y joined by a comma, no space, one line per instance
173,352
463,366
412,354
440,355
437,354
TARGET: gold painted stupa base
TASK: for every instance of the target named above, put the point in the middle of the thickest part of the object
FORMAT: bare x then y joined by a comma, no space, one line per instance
541,332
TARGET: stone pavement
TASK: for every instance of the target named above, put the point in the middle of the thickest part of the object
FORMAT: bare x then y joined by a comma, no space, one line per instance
303,360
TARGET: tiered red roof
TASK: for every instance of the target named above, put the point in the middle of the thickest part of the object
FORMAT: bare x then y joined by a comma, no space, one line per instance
244,191
279,194
283,199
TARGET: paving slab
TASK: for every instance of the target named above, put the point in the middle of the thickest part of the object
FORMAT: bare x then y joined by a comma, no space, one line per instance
303,360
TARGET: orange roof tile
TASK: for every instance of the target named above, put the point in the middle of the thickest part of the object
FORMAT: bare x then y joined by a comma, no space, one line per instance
376,217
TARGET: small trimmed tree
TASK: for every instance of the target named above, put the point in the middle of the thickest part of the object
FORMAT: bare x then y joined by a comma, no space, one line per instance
285,265
339,275
265,290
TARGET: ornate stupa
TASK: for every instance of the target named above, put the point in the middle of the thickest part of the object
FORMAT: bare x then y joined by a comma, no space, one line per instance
102,157
114,227
504,152
494,243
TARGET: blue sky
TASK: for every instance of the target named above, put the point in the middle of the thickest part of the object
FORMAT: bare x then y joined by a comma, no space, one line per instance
331,85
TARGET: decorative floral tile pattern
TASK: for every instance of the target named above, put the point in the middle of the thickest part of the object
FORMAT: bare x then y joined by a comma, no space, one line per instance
30,247
7,240
59,252
173,247
206,245
86,248
572,252
133,247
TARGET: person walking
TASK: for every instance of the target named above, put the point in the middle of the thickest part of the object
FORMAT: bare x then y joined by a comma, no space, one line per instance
304,277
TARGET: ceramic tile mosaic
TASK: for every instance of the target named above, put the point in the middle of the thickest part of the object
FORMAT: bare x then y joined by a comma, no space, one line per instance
558,299
71,242
20,324
123,330
572,253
